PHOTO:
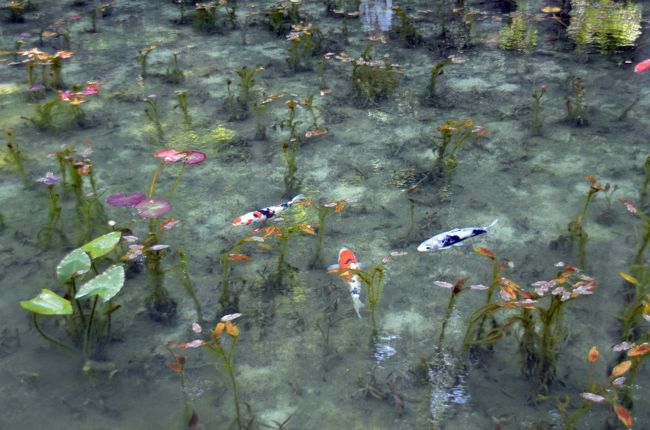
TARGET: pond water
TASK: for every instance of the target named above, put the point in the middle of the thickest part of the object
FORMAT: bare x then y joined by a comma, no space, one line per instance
366,141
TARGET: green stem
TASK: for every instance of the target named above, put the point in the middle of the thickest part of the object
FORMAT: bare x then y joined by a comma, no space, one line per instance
152,186
177,180
48,338
89,327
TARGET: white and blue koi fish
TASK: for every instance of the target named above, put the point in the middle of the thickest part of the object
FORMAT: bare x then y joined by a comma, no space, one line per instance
347,261
266,213
453,237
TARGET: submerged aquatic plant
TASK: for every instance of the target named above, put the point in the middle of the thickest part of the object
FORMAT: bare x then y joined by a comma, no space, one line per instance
221,345
609,25
174,74
542,331
182,106
430,96
305,42
536,120
15,155
576,232
54,210
519,35
372,80
614,392
143,56
575,107
406,30
87,325
151,112
453,135
324,211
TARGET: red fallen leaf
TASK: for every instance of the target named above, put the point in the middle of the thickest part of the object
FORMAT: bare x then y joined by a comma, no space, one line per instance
306,228
485,252
169,223
593,355
623,415
239,257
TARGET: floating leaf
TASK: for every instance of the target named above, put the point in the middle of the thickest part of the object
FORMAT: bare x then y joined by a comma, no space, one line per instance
47,303
639,350
122,199
623,415
105,285
238,257
593,355
194,157
153,208
72,265
629,278
485,252
102,245
621,368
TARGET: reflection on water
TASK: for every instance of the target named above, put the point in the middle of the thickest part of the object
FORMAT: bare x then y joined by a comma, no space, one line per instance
376,15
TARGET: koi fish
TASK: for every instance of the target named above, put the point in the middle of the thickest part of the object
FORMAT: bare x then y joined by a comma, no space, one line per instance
453,237
642,66
266,213
348,261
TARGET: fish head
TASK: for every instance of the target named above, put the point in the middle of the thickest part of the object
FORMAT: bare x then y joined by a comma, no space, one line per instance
346,258
429,245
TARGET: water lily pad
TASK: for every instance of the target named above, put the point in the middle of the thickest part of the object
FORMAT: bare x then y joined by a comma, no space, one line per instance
47,303
72,265
122,199
102,245
194,157
153,208
105,285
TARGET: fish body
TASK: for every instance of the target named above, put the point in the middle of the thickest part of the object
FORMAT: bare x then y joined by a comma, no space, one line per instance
266,213
453,237
642,66
348,261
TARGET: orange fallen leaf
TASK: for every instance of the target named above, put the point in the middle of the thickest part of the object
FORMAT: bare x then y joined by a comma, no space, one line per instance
485,252
639,350
593,355
239,257
621,368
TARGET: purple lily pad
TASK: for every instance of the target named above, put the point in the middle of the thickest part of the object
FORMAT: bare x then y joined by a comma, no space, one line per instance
122,199
194,157
153,208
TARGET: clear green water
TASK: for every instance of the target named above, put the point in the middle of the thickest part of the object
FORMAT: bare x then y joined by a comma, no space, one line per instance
534,185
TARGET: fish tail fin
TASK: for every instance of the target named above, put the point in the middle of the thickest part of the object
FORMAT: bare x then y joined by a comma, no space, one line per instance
296,199
492,224
357,304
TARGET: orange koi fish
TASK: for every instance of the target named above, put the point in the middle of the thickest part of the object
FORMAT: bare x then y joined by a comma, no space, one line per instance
348,261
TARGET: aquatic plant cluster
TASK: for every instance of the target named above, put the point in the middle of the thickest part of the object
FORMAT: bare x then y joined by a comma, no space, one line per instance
267,213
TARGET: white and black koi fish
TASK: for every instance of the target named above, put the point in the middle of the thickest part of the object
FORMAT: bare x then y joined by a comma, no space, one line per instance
266,213
453,237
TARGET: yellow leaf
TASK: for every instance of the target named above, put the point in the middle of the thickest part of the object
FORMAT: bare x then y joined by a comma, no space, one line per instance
629,278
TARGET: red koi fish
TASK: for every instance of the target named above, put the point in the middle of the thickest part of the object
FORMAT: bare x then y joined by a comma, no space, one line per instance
642,67
348,261
266,213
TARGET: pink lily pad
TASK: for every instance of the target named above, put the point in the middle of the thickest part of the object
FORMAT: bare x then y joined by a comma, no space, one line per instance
153,208
170,155
122,199
194,157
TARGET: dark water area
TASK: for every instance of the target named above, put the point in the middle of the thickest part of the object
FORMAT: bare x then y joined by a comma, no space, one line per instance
397,121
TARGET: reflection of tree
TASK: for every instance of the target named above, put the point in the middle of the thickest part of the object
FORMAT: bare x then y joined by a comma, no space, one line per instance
376,14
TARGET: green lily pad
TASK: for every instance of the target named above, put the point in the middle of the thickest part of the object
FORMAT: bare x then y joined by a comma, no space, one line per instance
47,303
72,265
105,285
102,245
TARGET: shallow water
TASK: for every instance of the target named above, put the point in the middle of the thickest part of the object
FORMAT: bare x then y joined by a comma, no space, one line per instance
302,352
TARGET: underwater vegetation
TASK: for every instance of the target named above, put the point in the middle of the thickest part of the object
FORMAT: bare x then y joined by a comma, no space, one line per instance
608,25
120,255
